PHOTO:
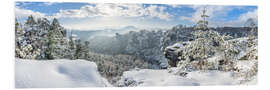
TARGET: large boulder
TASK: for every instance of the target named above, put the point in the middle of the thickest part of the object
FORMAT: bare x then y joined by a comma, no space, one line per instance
172,53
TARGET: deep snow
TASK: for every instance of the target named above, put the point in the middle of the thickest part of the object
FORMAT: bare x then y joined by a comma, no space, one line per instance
80,73
147,77
57,74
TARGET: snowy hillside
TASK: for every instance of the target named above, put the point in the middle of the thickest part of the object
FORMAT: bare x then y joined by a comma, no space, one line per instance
148,77
57,74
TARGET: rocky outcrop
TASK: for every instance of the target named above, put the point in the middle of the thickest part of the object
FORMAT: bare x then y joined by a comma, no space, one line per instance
172,53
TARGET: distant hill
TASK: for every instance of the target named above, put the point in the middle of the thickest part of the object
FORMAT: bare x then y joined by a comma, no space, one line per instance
88,34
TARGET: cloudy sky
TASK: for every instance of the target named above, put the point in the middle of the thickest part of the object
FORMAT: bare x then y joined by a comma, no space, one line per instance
91,16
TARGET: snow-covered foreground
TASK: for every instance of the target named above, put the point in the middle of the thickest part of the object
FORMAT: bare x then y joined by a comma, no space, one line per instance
57,74
81,73
146,77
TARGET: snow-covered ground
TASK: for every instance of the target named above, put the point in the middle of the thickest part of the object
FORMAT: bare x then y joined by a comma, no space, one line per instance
57,74
80,73
147,77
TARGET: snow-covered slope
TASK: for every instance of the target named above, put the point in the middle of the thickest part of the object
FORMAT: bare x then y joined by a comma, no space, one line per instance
57,74
147,77
80,73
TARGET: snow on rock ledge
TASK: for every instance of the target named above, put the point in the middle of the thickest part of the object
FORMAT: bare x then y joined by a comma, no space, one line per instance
57,74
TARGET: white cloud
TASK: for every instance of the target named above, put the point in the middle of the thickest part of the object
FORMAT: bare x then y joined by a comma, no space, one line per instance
49,3
185,18
96,23
99,23
114,10
158,11
242,19
250,14
23,13
175,5
113,15
100,16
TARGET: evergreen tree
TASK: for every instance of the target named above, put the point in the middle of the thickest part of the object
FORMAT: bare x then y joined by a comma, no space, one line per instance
71,43
17,43
251,37
55,24
51,46
202,38
202,24
86,49
208,43
30,21
78,52
40,39
17,31
71,47
57,43
43,25
16,26
27,45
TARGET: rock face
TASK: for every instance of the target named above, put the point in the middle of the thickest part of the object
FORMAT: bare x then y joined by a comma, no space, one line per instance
172,53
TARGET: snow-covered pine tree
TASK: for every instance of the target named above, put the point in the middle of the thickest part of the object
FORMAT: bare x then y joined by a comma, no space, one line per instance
86,49
51,46
17,24
30,21
44,27
18,36
251,37
57,42
38,39
78,51
201,48
202,24
26,40
207,43
71,47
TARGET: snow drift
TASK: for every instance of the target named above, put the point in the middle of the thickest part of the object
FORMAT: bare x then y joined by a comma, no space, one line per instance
80,73
169,77
57,74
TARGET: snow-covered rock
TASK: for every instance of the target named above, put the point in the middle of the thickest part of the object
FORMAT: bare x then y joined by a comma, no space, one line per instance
57,74
172,53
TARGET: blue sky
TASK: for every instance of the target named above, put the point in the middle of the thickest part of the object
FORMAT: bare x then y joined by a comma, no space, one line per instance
90,16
